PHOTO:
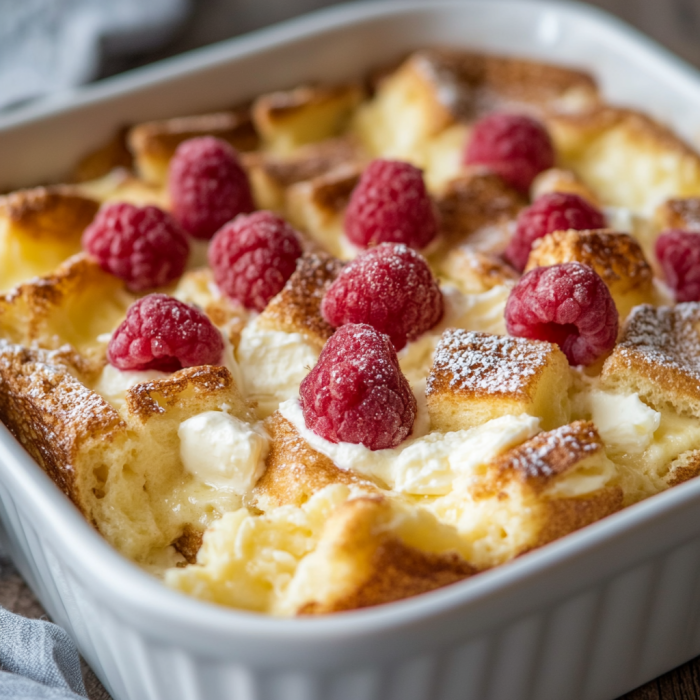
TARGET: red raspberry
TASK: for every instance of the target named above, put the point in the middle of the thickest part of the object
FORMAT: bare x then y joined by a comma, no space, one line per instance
389,287
160,332
566,304
356,392
390,205
253,256
554,211
143,245
514,146
679,255
208,186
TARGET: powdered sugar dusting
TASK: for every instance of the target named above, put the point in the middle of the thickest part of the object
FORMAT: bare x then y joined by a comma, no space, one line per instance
665,335
483,363
552,453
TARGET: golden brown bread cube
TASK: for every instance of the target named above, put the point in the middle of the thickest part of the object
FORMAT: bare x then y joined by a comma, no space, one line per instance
317,206
658,357
105,158
476,377
478,202
122,185
473,271
294,471
123,471
287,120
435,88
537,492
625,157
565,181
679,213
271,175
73,306
153,144
39,229
297,308
616,257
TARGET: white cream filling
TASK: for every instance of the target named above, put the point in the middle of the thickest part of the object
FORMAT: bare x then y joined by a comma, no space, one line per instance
624,422
113,383
273,365
223,451
424,464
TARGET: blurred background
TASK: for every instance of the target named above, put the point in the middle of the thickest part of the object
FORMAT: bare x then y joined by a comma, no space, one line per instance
47,46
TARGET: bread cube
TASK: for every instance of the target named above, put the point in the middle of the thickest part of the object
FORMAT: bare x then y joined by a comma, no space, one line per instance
477,377
616,257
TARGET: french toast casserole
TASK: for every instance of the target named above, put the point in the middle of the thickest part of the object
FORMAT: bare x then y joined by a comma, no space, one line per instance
346,344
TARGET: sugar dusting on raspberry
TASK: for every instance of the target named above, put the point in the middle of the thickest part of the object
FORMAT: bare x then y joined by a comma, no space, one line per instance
356,392
391,205
566,304
144,246
554,211
389,287
679,255
253,256
207,185
160,332
514,146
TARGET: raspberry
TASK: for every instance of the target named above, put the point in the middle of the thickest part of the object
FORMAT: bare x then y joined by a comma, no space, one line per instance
253,256
160,332
554,211
679,255
514,146
566,304
208,186
356,392
143,245
391,288
390,205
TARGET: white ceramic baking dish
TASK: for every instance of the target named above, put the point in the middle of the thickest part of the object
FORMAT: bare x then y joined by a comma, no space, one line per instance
588,617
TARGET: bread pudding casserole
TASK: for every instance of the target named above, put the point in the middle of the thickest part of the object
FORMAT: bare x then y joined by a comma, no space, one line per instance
347,344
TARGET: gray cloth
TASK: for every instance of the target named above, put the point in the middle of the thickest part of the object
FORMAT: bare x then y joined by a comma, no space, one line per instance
37,660
48,46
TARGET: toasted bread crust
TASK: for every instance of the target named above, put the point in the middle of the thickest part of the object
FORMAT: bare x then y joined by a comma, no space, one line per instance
53,415
297,308
387,568
469,83
105,158
566,515
154,398
189,543
306,163
682,213
658,357
48,212
616,257
160,139
548,455
48,311
474,201
153,144
294,471
474,364
640,126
